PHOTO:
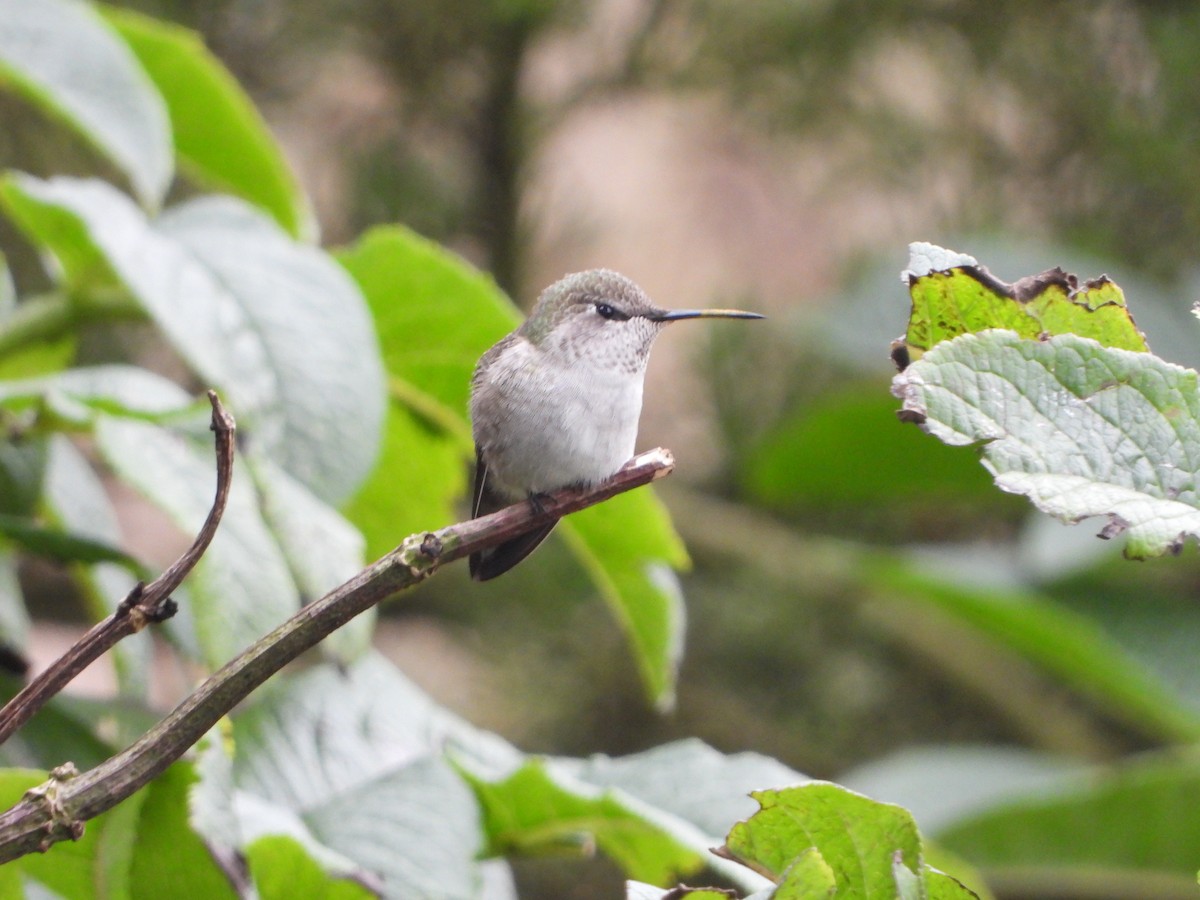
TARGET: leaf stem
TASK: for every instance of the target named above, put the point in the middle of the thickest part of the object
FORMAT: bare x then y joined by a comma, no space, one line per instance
45,317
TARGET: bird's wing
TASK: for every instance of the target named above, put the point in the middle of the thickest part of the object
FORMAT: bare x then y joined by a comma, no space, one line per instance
498,560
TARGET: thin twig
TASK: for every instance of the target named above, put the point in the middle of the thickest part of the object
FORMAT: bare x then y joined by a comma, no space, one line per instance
56,810
145,604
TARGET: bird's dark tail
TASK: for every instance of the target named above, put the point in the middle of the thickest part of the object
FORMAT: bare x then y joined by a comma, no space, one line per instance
498,560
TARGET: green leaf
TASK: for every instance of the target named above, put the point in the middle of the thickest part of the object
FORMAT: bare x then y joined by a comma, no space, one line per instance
14,620
846,449
628,545
141,848
221,140
78,395
66,867
420,475
63,729
167,853
533,811
274,325
655,813
348,761
686,779
76,502
1080,429
241,588
808,878
22,469
940,886
1069,646
56,544
856,836
435,316
953,295
60,54
322,549
282,870
1134,822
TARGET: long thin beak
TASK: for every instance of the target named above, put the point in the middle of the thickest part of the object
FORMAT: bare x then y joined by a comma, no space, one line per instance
673,315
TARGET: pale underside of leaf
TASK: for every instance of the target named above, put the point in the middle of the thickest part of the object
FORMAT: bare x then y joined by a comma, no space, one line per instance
1080,429
71,65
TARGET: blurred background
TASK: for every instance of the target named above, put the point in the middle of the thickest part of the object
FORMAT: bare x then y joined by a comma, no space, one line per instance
776,156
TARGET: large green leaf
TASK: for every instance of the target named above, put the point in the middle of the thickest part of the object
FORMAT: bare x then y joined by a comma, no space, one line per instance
1071,647
61,56
810,837
1133,823
241,588
953,295
1081,429
165,850
322,549
348,761
141,848
630,549
274,325
846,450
282,870
855,835
220,138
533,812
655,813
436,316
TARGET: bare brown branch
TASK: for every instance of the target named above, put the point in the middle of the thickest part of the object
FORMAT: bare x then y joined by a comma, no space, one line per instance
145,604
56,810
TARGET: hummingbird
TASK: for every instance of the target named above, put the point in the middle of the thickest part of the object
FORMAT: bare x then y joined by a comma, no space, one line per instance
556,403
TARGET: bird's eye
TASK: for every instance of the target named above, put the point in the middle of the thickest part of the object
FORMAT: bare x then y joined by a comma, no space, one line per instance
607,311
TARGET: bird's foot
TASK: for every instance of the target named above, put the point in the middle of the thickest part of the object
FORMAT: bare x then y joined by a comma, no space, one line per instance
538,501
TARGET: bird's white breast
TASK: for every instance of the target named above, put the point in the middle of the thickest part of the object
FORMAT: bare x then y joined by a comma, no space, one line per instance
544,424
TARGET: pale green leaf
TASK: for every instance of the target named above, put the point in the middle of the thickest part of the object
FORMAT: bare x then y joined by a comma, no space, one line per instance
61,55
76,502
274,325
1080,429
808,878
322,549
241,588
639,890
689,780
656,813
221,140
348,761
